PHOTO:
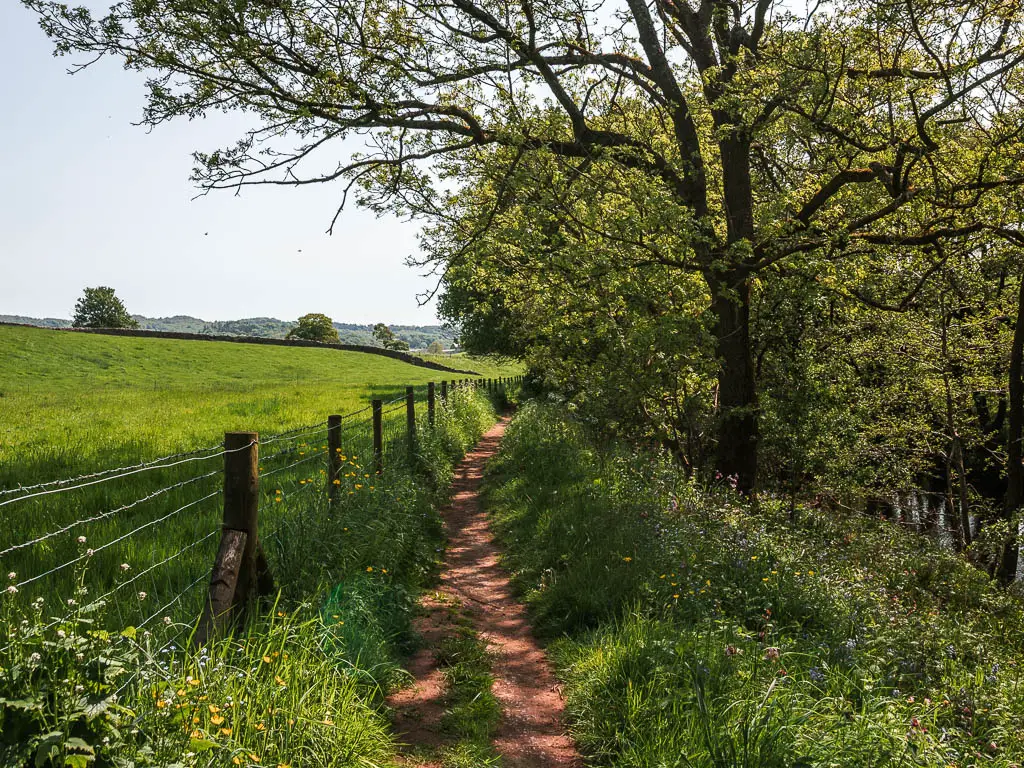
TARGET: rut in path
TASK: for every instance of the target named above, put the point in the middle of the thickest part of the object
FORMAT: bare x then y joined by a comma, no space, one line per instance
531,733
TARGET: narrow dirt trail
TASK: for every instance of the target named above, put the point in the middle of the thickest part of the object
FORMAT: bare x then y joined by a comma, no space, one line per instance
531,734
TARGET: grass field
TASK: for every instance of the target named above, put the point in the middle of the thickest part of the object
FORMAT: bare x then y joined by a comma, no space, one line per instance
72,403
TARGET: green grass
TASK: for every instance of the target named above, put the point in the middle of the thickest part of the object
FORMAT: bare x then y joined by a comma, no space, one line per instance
472,712
94,668
71,402
691,630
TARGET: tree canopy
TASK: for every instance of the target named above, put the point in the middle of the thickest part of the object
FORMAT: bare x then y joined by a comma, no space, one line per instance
314,327
387,339
784,242
100,308
738,139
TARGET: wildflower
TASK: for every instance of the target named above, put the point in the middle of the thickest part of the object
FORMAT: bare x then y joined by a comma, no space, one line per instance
336,481
279,680
217,719
214,709
731,650
142,595
35,658
225,731
261,727
12,590
816,675
81,539
383,570
12,576
125,566
196,734
267,659
167,620
369,569
627,559
771,654
90,552
358,486
676,596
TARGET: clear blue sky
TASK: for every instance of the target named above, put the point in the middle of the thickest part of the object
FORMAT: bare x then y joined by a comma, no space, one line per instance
86,198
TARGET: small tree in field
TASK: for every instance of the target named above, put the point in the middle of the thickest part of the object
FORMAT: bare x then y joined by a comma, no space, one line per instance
100,308
387,339
314,327
436,348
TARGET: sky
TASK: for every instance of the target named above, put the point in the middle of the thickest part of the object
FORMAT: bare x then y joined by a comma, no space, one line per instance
87,198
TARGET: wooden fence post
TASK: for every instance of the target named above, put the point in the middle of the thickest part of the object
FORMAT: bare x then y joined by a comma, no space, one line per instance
378,436
430,403
241,567
410,419
333,456
444,390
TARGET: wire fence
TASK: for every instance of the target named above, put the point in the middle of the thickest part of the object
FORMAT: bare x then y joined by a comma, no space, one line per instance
130,549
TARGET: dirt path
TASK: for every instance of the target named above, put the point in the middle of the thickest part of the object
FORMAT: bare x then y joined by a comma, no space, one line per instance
530,734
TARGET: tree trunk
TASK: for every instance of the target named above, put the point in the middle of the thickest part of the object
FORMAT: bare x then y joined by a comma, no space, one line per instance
737,391
1014,471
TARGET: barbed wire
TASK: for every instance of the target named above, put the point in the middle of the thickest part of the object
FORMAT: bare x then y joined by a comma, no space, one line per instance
316,454
132,580
89,553
143,468
293,436
101,473
109,513
174,599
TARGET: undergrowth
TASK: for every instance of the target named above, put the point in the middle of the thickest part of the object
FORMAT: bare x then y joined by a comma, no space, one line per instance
300,683
692,630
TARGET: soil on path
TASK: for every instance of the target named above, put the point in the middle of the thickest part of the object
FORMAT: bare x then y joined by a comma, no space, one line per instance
531,734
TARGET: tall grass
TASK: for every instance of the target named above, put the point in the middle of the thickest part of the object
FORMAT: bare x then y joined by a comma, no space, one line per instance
98,668
692,630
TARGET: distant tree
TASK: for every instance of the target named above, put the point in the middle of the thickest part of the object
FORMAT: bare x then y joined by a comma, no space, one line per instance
387,339
314,327
436,348
100,308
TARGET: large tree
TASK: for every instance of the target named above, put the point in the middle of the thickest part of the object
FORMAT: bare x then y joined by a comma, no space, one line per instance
100,307
314,327
858,127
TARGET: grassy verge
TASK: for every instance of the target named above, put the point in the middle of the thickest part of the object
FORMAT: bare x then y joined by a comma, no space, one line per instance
472,712
692,631
103,674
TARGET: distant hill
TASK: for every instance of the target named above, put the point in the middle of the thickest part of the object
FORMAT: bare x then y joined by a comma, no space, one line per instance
417,336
